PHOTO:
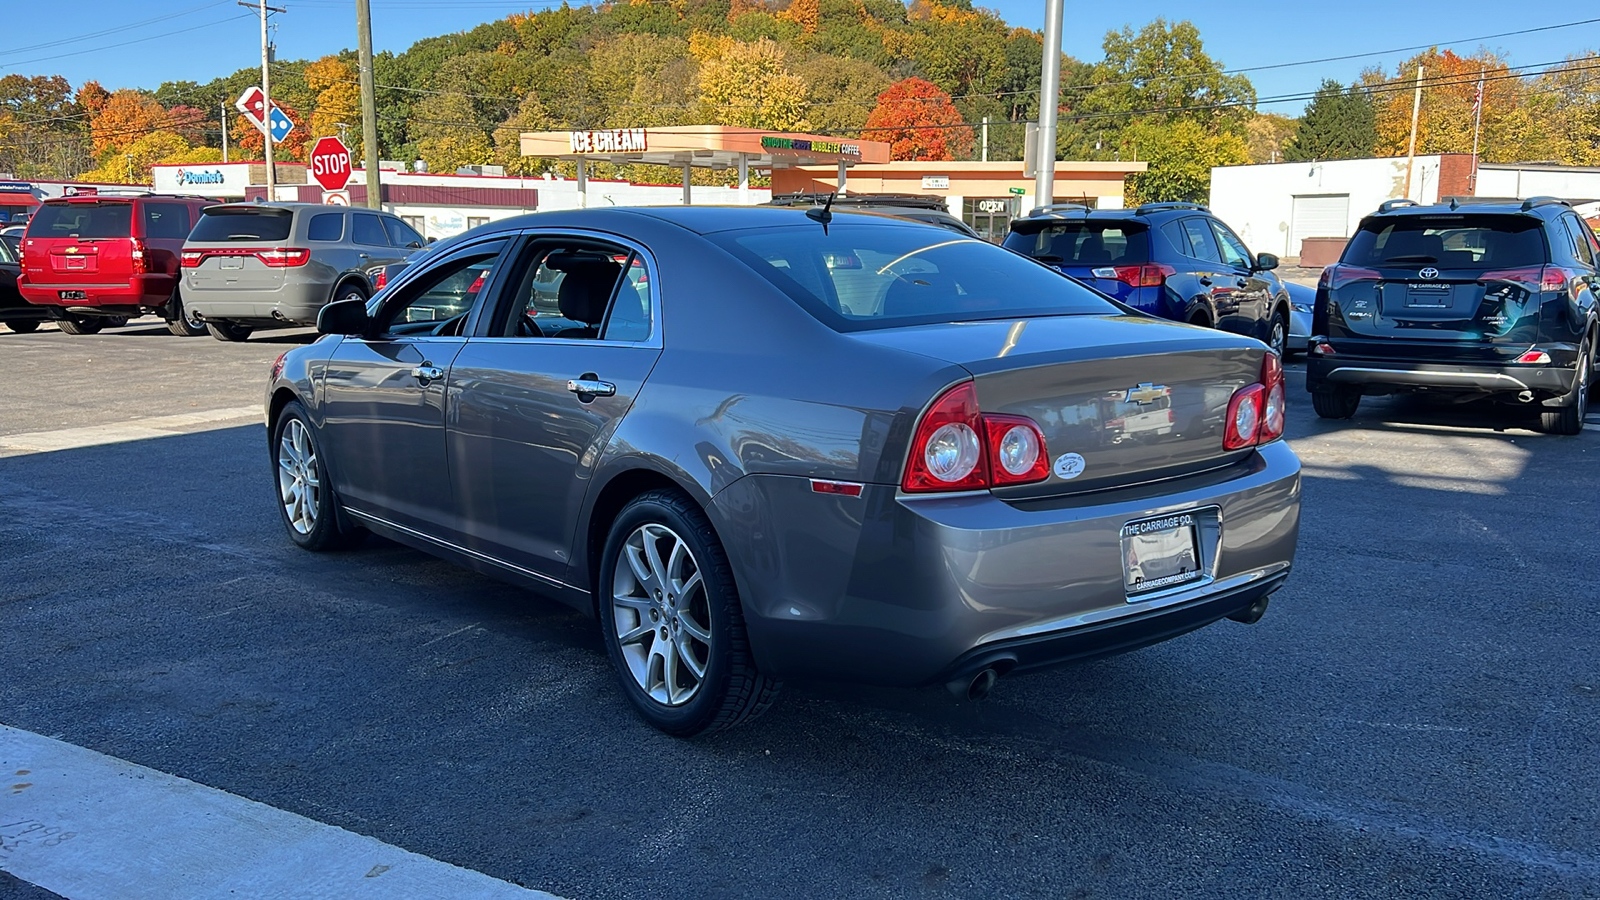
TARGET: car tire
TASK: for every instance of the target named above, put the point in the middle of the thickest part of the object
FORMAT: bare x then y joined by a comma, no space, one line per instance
80,326
350,291
228,331
306,501
1568,418
657,638
179,322
1335,402
114,322
27,326
1278,334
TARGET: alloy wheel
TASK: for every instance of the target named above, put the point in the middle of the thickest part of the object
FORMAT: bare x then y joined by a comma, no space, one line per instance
299,488
1279,336
661,614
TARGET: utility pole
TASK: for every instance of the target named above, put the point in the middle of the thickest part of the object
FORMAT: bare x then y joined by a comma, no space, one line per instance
1477,122
369,109
262,8
1044,184
1411,148
224,132
985,138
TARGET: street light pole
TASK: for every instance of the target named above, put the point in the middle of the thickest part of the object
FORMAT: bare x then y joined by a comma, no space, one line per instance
369,109
1044,184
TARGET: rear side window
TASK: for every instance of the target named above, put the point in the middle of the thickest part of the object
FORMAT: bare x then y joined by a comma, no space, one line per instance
1448,242
368,229
82,220
1193,238
325,227
400,234
1084,243
166,220
242,223
862,277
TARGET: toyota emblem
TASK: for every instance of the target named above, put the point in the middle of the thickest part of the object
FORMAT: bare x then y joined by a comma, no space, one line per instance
1429,273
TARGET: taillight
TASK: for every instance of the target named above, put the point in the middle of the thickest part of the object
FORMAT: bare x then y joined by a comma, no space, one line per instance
1147,275
277,365
958,448
1539,278
284,257
1337,276
191,259
380,279
1256,411
136,254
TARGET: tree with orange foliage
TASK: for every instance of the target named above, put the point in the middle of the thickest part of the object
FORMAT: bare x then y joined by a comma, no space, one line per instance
1449,90
126,116
93,97
919,122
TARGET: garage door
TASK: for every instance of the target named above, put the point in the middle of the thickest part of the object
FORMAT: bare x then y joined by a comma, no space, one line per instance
1319,215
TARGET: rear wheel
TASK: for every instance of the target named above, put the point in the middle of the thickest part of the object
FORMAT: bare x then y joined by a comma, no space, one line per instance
1335,402
672,621
1568,419
180,322
80,326
27,326
228,331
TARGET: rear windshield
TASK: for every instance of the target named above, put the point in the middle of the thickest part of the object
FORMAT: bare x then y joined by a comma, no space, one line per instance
243,224
82,220
1082,243
1448,242
858,277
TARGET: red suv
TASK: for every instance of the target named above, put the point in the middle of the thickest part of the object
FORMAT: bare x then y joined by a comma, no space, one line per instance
97,259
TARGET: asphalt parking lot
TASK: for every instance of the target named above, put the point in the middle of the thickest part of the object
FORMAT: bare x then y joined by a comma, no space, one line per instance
1417,714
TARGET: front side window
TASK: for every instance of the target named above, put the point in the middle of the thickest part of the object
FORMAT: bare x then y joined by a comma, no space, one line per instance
368,229
438,300
401,235
858,277
166,220
1233,249
581,291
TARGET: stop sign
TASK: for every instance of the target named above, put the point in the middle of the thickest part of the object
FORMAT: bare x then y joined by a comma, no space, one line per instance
330,163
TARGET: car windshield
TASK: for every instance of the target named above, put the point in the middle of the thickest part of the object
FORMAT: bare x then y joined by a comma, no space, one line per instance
1448,242
77,219
856,277
231,223
1082,243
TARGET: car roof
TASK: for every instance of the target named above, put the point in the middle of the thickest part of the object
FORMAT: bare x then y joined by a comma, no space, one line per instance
1078,212
698,219
1539,206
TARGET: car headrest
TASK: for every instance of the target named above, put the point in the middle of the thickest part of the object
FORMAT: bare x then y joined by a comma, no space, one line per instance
587,288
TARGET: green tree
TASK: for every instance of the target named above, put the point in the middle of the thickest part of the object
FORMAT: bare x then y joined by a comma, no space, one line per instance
1181,155
843,92
1267,135
1339,123
749,85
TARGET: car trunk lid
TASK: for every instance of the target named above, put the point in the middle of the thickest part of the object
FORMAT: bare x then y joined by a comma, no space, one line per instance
1119,400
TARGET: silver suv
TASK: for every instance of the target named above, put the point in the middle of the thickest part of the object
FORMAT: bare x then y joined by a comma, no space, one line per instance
254,265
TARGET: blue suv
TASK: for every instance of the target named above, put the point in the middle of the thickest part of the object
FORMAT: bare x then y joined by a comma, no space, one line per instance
1173,260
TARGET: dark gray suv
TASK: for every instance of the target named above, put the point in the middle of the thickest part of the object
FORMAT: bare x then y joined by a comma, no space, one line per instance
252,265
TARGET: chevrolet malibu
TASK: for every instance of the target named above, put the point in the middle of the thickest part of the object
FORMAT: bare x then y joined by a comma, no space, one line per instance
761,444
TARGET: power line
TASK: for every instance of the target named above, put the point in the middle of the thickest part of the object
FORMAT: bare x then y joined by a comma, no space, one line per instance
156,37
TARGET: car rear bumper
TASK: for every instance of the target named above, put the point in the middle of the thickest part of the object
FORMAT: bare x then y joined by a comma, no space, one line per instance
296,302
890,589
1375,375
147,290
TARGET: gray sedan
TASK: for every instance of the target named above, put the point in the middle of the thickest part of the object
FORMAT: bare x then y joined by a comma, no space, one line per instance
761,444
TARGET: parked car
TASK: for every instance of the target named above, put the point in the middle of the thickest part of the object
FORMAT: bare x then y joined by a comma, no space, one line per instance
1172,260
12,237
95,261
254,265
16,313
1302,300
1494,300
930,209
890,461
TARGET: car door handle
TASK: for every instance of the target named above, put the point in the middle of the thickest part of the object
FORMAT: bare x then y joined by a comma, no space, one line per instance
589,386
426,373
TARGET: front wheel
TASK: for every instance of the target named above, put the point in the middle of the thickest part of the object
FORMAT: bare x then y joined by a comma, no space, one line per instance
228,331
1278,335
305,497
672,621
1335,402
1568,419
80,325
27,326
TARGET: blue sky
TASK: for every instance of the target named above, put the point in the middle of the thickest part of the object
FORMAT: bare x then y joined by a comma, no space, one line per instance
126,43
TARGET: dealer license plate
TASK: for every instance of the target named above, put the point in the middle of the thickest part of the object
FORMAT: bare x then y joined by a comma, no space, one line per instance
1160,553
73,295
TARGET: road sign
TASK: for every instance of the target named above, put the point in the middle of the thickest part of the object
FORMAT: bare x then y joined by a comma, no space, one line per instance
330,163
336,198
1018,191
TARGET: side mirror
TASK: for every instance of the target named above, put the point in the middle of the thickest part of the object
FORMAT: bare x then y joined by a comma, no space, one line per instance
1265,262
433,240
344,317
414,245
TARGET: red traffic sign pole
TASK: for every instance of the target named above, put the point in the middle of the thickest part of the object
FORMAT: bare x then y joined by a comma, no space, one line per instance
330,163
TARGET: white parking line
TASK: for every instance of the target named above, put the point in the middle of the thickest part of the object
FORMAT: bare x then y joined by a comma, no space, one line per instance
135,430
86,825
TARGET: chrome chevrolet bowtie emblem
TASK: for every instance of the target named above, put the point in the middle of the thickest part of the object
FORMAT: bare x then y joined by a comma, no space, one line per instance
1428,274
1146,394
